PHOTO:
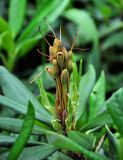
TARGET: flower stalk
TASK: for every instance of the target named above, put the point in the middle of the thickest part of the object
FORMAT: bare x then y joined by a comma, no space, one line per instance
61,60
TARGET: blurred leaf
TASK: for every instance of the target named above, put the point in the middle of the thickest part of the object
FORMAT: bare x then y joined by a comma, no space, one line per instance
85,88
52,11
24,134
37,152
3,25
11,86
115,108
84,140
17,11
106,29
6,41
97,97
85,23
28,39
113,40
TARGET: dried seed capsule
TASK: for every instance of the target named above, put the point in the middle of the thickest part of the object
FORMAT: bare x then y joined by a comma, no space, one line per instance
65,54
55,67
64,76
50,71
57,45
60,59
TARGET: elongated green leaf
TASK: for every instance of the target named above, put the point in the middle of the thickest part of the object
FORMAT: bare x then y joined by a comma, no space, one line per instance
44,98
84,140
120,149
97,97
100,120
85,88
113,145
12,86
37,152
58,140
14,126
16,15
24,134
84,21
52,11
8,141
59,156
115,108
19,107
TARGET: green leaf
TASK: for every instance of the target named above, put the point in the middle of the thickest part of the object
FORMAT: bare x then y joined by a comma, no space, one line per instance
6,41
59,156
3,25
84,140
109,28
17,11
113,40
100,120
37,152
44,98
20,108
12,86
52,11
24,134
115,108
97,97
62,142
120,149
113,144
14,126
85,88
85,23
8,141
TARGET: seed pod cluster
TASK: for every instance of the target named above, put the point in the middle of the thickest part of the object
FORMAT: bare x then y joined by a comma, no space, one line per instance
61,60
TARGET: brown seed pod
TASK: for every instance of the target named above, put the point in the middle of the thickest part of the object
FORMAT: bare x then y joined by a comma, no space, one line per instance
60,59
55,67
64,76
65,53
50,71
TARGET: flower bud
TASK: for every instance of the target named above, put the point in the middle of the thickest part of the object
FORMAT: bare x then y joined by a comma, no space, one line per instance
70,65
64,76
70,55
60,59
